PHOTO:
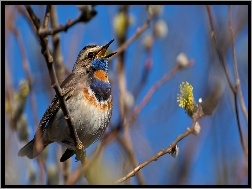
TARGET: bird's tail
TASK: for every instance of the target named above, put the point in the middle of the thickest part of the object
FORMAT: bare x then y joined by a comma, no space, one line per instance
31,150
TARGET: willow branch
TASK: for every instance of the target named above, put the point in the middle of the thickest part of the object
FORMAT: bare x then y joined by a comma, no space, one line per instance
27,73
154,88
126,143
60,28
238,83
49,62
138,32
57,55
84,17
238,88
234,89
199,114
213,34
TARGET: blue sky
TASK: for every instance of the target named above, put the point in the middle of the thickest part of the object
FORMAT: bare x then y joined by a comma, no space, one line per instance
161,120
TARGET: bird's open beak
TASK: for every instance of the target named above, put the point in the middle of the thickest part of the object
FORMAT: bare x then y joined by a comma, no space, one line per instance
103,50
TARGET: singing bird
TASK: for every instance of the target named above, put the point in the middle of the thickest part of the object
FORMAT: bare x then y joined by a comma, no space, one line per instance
88,97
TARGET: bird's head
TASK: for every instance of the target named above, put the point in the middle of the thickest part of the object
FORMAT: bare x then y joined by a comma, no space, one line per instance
92,59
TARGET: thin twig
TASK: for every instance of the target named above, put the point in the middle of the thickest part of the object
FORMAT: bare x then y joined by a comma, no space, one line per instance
60,73
27,73
138,108
213,34
238,88
76,175
234,89
84,17
245,150
138,32
54,82
154,88
126,143
60,28
57,55
238,83
199,114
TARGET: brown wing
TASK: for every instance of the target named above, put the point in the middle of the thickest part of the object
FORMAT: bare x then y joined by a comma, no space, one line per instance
67,86
50,112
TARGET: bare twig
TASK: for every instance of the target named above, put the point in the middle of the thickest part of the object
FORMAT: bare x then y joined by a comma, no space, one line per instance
127,145
238,84
199,114
138,108
138,32
153,89
238,87
245,150
213,34
57,55
60,73
60,28
233,89
27,73
54,82
85,16
76,175
124,109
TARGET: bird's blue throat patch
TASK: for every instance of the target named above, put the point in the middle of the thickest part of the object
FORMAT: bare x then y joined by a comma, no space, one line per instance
100,84
100,64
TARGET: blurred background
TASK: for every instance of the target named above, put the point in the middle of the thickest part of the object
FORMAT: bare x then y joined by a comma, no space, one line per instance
170,42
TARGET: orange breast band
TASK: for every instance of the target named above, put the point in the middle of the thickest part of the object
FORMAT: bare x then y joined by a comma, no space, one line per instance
101,75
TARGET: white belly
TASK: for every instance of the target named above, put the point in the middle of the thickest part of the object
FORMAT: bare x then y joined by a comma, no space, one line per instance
90,122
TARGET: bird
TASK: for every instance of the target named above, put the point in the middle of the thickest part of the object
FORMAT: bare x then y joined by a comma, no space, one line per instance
88,96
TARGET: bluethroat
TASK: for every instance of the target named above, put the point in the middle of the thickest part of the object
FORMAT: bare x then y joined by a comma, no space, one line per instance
87,92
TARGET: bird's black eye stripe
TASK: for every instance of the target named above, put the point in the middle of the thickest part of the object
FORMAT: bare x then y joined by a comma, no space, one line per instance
90,54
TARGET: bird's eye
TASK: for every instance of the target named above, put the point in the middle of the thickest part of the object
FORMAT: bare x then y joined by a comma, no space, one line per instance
90,55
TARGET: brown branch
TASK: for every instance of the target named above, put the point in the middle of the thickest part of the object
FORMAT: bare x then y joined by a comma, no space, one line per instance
238,84
233,89
213,34
238,88
154,88
49,62
60,28
245,150
27,73
126,143
86,14
76,175
138,32
23,11
60,73
199,114
138,108
57,55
